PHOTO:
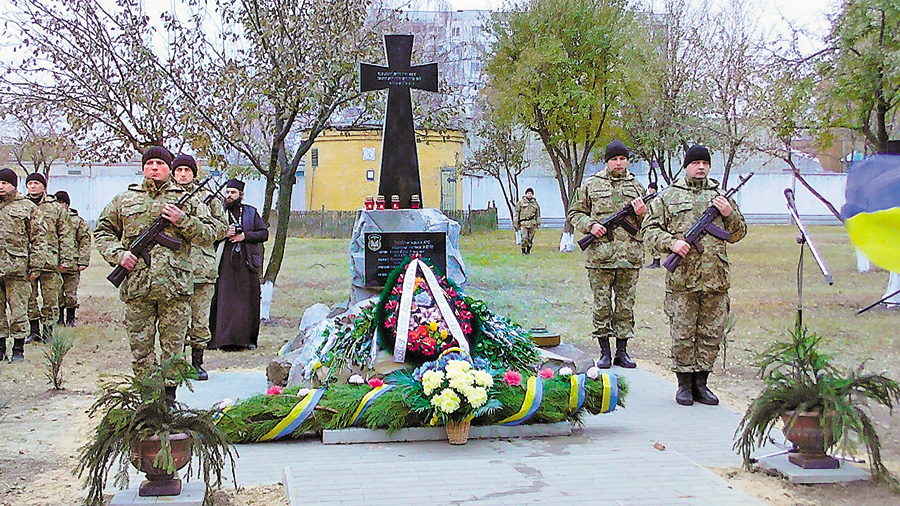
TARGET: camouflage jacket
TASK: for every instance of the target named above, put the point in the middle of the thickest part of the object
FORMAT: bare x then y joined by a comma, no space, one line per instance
672,215
170,273
601,196
82,238
60,237
527,213
203,254
22,241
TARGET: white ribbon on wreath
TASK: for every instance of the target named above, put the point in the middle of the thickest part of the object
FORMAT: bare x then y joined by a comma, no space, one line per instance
406,296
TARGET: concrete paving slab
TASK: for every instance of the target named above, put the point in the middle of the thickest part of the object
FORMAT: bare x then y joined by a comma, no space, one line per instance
192,494
796,474
358,435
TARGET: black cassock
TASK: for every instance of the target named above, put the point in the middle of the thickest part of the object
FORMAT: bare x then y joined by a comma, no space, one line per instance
234,316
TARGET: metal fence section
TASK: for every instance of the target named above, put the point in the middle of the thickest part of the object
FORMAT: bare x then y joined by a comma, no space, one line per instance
339,224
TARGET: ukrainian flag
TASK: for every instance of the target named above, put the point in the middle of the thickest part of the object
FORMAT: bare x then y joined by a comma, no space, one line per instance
872,209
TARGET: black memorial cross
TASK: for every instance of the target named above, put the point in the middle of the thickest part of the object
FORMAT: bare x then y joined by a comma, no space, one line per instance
399,161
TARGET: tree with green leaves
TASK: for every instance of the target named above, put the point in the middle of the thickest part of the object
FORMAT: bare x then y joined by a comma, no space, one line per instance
661,110
861,71
557,68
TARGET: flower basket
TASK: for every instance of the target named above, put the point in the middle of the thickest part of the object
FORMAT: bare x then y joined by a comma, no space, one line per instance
458,432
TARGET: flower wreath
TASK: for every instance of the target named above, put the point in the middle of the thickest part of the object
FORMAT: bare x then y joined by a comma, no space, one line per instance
429,332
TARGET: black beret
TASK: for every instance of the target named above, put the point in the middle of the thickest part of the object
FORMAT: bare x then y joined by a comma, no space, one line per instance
697,152
35,176
157,152
614,149
529,190
63,196
185,161
9,176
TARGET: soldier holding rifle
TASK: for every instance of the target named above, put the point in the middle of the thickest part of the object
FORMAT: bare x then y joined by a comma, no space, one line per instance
156,294
696,302
615,257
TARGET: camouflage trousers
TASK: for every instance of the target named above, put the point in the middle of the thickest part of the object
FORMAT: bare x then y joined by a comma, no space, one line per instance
527,236
49,284
198,335
697,326
144,317
14,293
614,291
68,296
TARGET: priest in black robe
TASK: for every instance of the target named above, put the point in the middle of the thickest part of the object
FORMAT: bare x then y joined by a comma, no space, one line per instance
234,317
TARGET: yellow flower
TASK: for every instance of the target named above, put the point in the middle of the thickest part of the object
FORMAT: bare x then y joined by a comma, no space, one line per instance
432,326
483,379
447,401
443,334
431,381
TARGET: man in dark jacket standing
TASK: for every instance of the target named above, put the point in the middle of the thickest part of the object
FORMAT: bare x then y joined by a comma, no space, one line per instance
234,318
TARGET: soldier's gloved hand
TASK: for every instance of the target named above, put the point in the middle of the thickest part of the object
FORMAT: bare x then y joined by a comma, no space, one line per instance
172,213
681,248
639,207
129,260
722,205
597,230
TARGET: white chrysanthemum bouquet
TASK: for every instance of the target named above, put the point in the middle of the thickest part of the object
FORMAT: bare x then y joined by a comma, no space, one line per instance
458,391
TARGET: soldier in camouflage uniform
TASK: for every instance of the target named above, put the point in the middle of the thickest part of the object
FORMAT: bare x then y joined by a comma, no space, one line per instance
203,258
22,250
527,219
614,259
158,294
697,301
68,296
60,256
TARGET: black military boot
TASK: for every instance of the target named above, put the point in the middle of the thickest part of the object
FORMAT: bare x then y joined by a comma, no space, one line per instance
170,396
605,360
654,264
70,317
35,334
684,396
622,359
528,250
524,250
3,349
48,333
701,393
62,316
197,362
18,351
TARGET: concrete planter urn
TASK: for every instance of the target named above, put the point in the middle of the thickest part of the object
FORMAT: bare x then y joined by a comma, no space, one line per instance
808,435
160,482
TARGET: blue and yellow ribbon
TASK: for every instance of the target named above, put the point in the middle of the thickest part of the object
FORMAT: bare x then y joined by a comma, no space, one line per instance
219,414
301,412
367,401
576,391
610,392
534,395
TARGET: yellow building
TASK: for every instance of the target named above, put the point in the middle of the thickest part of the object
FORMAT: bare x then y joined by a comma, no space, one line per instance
342,168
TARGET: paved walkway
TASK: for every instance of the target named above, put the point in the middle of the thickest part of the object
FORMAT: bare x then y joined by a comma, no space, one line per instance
611,460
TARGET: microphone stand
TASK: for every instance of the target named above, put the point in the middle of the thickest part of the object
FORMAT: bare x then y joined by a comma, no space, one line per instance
804,239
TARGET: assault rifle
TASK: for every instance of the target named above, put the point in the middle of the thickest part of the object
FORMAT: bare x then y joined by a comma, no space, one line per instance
152,236
704,226
208,198
619,219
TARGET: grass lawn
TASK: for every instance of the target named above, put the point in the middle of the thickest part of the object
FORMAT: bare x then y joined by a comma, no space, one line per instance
545,288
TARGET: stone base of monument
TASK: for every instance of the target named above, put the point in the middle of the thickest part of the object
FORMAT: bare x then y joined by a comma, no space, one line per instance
565,355
779,464
192,494
351,436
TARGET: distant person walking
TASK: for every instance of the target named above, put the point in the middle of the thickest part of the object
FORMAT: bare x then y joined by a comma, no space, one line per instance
71,278
234,317
527,219
697,302
614,259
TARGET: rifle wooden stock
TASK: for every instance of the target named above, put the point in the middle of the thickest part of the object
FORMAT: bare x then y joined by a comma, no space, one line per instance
152,236
618,219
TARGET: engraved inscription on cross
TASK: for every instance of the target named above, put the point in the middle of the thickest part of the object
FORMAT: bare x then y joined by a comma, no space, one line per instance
399,160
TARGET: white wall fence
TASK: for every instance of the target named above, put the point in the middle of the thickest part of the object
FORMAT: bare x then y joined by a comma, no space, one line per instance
761,200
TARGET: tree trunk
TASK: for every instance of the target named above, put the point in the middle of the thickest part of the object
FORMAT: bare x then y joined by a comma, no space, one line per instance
285,190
